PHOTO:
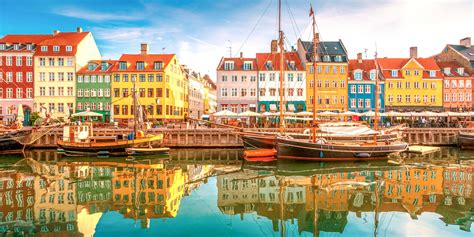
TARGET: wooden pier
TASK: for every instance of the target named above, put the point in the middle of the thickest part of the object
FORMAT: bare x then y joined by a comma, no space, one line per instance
227,138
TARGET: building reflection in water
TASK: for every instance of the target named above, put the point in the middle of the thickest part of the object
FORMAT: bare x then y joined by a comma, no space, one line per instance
50,195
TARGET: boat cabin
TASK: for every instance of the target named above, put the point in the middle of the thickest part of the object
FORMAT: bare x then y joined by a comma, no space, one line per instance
83,134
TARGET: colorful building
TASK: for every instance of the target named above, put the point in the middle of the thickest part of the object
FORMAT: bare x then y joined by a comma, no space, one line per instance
210,95
463,53
457,86
17,75
93,90
195,92
56,61
412,84
331,75
237,84
361,86
162,89
294,93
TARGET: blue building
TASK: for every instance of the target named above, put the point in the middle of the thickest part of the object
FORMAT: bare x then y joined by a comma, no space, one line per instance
361,86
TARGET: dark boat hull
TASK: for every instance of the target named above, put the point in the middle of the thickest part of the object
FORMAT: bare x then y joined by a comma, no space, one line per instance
305,150
466,141
267,140
9,143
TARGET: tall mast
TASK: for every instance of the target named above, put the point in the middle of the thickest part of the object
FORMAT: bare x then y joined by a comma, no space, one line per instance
376,96
282,58
135,108
315,56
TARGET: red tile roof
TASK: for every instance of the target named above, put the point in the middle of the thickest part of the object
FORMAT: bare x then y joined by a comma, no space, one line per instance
149,60
388,64
210,81
238,63
61,39
262,58
453,65
23,39
97,70
365,65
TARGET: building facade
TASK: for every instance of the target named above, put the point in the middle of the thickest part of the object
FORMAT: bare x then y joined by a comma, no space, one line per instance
462,53
195,92
56,61
17,75
331,75
237,84
294,83
361,86
162,89
412,84
210,95
93,90
457,87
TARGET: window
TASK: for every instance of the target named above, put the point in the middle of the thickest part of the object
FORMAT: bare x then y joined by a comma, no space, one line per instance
454,84
70,92
18,60
326,58
367,89
367,103
353,103
361,89
326,84
124,92
417,72
319,84
107,92
353,89
51,91
407,99
399,85
42,91
447,97
243,92
334,70
358,75
272,76
142,77
407,85
433,85
416,85
291,91
253,78
159,78
425,98
56,48
454,97
461,97
253,92
319,69
262,92
224,92
300,77
29,61
326,69
334,84
19,76
86,93
433,99
247,66
122,65
51,62
461,84
243,78
151,77
390,98
468,97
268,65
394,73
300,91
140,65
70,62
125,77
425,85
360,103
60,91
60,76
399,98
417,98
234,78
70,76
290,76
19,92
29,93
272,91
51,76
342,70
228,65
86,79
68,48
432,73
44,48
234,92
158,65
407,72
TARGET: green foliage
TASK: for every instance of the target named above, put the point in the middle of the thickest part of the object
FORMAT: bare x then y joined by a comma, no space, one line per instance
33,117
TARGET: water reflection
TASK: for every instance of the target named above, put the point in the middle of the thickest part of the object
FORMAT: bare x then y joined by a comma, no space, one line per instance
46,194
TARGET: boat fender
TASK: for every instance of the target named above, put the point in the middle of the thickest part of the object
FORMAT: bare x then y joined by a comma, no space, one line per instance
321,141
306,131
362,155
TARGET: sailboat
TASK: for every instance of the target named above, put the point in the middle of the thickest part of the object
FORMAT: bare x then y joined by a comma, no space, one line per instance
320,149
79,140
267,140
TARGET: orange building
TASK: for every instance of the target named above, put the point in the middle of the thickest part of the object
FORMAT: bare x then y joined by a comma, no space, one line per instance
457,86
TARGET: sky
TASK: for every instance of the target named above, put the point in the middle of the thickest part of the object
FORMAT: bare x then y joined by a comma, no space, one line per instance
201,32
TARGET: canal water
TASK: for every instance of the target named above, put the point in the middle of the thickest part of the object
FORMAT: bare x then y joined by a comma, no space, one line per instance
216,193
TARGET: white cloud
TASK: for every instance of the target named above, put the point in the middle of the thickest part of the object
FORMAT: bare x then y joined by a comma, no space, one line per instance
98,16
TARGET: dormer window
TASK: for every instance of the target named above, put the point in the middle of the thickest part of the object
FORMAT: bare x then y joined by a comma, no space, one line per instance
358,75
158,65
91,66
291,65
372,75
56,48
68,48
140,65
327,58
16,46
29,47
338,58
44,48
432,73
268,65
122,65
461,71
247,66
104,66
2,46
447,70
229,66
394,73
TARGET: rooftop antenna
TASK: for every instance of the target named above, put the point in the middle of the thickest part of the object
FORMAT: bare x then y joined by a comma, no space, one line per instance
163,50
365,52
230,48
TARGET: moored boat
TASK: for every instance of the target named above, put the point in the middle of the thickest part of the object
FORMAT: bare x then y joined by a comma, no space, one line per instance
466,140
10,141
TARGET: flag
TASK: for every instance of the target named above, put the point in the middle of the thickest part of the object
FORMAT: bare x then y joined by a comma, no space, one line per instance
311,10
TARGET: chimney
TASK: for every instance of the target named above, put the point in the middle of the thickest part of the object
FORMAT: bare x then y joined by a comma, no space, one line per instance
143,48
79,29
466,42
241,55
413,52
359,57
55,32
274,46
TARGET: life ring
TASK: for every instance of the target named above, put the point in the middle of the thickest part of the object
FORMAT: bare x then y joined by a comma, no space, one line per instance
321,141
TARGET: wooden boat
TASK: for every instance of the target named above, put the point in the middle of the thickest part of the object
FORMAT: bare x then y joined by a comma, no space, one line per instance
147,151
9,141
466,141
298,149
78,140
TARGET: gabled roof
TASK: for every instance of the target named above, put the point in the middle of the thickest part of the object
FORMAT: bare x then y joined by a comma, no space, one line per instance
23,39
331,48
467,52
209,80
366,65
453,65
97,70
238,64
149,60
61,39
262,59
388,64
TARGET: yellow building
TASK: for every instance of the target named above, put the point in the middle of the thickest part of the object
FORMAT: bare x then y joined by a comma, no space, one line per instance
56,61
161,87
331,75
210,95
412,84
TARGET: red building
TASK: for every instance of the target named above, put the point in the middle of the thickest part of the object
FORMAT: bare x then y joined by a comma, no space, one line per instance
457,86
16,74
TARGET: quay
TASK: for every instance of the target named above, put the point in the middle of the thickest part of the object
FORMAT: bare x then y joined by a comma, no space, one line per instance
227,138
